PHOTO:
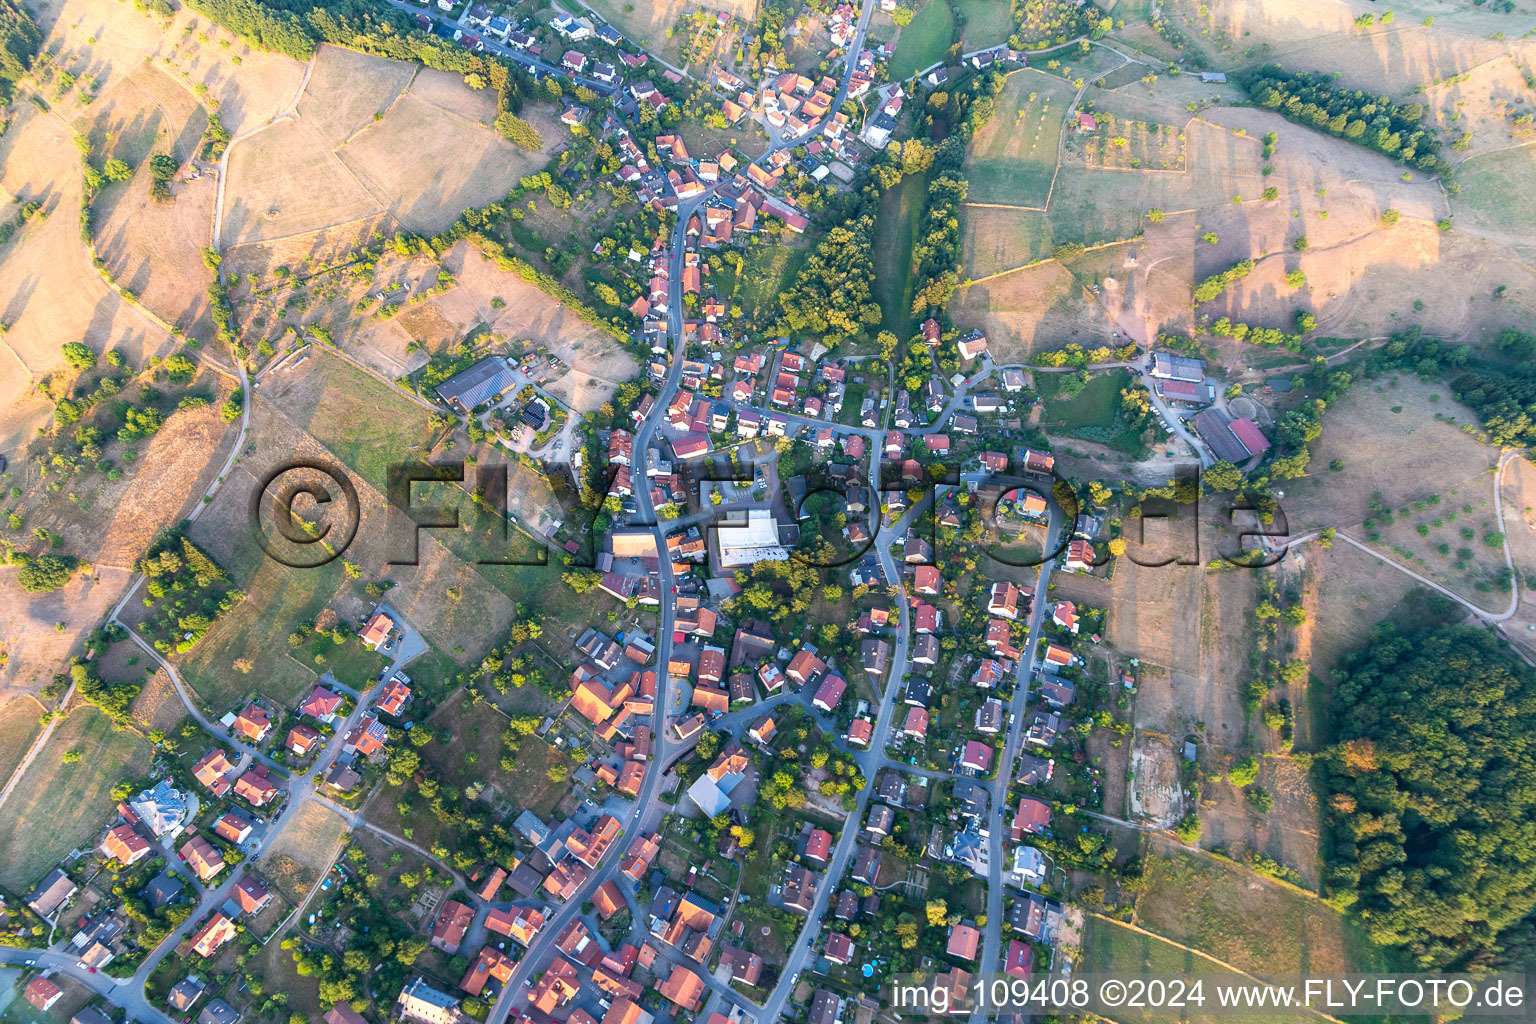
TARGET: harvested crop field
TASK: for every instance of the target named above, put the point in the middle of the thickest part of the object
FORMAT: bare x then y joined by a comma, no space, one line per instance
346,89
286,181
1098,205
456,162
146,112
304,851
1254,924
1191,628
1013,158
1034,309
155,250
1389,59
57,807
110,42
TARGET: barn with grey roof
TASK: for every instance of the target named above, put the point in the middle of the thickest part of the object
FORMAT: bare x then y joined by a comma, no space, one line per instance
488,379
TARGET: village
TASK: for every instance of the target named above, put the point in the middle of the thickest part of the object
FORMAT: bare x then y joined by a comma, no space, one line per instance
778,615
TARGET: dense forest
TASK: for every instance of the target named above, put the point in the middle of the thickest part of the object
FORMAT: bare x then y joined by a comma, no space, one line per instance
19,42
1375,122
831,294
1428,805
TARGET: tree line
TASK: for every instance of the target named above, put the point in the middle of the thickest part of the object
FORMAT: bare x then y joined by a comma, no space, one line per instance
1308,98
296,27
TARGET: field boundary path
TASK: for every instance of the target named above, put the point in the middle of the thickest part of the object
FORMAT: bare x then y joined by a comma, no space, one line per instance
38,744
1509,562
1204,956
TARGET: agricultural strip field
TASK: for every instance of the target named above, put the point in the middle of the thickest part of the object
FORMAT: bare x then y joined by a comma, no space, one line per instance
1093,205
57,807
1013,158
987,23
1126,144
1110,948
994,241
924,41
1255,925
900,209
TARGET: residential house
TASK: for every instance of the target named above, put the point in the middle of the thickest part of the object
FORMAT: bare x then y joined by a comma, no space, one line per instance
212,936
964,942
125,845
1033,817
253,723
202,857
256,787
453,920
375,632
212,770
